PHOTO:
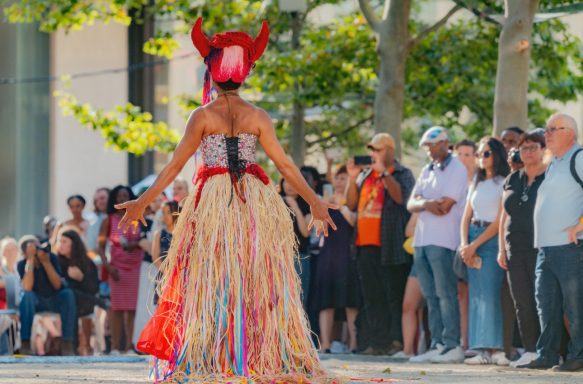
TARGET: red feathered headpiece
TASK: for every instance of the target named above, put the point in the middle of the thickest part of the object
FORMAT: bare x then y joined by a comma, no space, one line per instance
228,55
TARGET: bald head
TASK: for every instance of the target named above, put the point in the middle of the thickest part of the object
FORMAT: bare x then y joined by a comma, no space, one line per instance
563,120
560,133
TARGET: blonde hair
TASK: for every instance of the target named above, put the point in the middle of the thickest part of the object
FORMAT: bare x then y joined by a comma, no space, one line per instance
4,244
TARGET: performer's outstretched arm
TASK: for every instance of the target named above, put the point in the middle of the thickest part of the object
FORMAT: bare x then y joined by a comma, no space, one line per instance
292,174
184,151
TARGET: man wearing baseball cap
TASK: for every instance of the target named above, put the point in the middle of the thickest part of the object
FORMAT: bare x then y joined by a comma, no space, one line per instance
439,197
379,194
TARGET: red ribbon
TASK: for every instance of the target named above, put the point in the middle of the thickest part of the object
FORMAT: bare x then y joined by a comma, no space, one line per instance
206,173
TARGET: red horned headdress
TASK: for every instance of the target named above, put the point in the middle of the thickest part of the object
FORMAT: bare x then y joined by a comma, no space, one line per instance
228,55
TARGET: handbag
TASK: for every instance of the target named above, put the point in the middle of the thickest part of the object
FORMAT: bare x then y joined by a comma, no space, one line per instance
459,267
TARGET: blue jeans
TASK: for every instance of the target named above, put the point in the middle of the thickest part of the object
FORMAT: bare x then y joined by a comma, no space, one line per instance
485,328
62,302
434,267
559,289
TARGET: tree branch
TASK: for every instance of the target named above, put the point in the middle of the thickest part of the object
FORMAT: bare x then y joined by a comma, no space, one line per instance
413,42
481,14
341,133
368,12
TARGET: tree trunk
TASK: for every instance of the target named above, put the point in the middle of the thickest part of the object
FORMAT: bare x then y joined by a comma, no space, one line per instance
511,98
393,49
298,140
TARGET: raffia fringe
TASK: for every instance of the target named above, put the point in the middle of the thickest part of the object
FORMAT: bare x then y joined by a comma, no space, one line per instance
239,315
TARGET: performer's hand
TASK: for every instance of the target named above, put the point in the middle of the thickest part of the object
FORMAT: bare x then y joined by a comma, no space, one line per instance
133,215
320,217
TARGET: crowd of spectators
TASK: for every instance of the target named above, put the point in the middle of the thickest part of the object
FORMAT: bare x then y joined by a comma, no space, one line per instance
441,268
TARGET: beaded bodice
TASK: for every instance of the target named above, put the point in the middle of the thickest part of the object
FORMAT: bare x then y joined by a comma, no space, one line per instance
217,148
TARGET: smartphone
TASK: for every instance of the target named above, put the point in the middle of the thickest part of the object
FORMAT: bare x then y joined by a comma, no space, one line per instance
328,190
362,160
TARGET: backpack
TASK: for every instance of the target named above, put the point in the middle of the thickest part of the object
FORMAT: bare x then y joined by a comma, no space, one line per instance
574,170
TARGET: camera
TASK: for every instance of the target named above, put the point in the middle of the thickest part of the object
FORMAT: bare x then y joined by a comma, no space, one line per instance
44,247
515,156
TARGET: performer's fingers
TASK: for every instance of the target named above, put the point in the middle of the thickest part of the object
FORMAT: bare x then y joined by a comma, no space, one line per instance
331,222
143,220
121,205
325,228
122,223
311,225
136,226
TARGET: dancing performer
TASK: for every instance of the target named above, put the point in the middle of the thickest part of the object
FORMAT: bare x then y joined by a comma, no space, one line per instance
230,307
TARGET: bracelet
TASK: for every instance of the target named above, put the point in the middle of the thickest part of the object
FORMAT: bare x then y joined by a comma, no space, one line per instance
28,266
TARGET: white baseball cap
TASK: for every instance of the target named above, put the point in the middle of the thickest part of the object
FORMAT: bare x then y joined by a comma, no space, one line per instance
434,135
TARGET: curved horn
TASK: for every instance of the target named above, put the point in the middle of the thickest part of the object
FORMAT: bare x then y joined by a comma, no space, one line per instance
261,40
199,39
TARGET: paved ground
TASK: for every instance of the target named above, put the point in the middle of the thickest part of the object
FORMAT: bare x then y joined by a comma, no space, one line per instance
135,370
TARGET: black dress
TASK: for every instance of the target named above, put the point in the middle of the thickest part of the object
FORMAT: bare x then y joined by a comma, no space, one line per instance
336,279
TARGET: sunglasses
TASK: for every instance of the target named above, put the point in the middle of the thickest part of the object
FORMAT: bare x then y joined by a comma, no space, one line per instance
484,155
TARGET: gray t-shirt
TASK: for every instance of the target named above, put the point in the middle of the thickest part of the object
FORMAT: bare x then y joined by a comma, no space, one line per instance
485,198
559,203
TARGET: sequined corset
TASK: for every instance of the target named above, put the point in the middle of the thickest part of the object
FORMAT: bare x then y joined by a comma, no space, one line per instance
234,152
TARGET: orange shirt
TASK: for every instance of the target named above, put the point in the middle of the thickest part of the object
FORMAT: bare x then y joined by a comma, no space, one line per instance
370,208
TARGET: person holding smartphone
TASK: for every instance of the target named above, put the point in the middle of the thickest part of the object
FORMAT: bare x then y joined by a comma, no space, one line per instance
379,194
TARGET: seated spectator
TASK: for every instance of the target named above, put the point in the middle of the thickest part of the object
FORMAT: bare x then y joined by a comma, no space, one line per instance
9,279
81,276
44,290
9,294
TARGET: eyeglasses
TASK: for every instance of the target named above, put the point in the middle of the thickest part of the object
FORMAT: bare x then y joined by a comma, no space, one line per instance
484,155
550,130
529,148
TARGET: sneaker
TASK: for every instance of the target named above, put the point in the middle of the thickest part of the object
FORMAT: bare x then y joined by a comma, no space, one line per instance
338,347
449,356
426,357
499,358
526,358
481,358
471,352
402,355
114,352
130,352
